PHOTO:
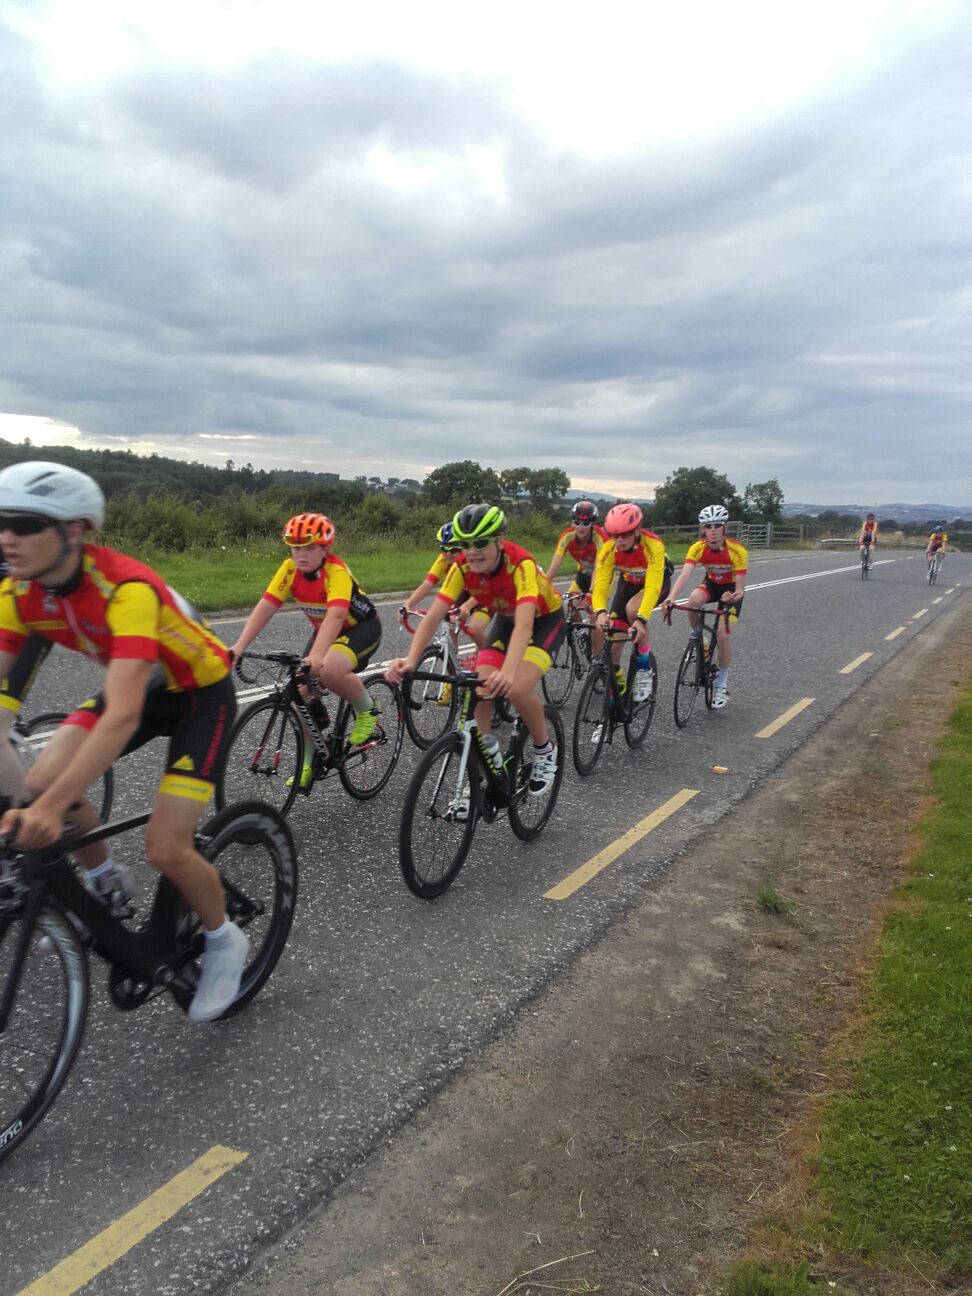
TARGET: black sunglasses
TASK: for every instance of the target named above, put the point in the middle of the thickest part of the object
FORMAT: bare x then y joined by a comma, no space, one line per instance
479,544
24,524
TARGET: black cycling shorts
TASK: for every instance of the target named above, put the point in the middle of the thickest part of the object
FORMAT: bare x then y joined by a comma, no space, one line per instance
23,672
548,634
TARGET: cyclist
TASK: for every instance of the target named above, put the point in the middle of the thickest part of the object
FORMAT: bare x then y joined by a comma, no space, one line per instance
582,541
869,535
346,629
14,688
644,575
526,628
936,541
165,674
725,563
472,619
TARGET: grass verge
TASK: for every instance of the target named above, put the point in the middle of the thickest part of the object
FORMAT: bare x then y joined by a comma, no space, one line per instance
892,1186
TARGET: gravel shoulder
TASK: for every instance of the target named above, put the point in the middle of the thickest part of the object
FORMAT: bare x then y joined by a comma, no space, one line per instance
627,1131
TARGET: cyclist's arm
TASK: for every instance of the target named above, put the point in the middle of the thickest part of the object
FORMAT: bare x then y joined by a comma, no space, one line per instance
258,620
11,768
554,567
603,574
681,580
419,594
327,632
654,578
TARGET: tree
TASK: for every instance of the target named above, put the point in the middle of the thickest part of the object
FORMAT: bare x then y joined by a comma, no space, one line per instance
463,482
546,488
763,501
688,490
514,481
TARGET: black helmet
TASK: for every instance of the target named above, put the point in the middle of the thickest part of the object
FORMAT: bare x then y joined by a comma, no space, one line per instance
478,522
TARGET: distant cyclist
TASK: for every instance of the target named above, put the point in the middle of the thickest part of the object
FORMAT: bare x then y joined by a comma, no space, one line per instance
166,675
936,542
724,564
346,629
868,536
526,629
582,541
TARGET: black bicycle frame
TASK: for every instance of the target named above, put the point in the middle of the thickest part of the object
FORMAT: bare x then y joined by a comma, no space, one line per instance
467,682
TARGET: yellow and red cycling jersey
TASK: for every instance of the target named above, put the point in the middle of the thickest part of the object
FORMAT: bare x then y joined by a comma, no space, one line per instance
722,566
869,529
439,569
115,609
332,585
517,580
644,564
584,553
937,541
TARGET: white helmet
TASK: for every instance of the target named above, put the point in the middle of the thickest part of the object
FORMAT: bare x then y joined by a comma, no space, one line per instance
711,513
52,490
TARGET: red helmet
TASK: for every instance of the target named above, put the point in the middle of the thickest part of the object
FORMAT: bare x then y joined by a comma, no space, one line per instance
584,513
623,518
308,529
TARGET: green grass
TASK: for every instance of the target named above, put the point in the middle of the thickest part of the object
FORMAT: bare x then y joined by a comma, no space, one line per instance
214,579
751,1280
894,1175
771,902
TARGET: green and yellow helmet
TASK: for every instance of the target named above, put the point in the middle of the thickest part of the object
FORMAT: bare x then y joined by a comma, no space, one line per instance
478,522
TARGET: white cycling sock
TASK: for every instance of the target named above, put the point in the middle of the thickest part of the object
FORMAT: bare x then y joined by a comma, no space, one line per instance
722,678
221,932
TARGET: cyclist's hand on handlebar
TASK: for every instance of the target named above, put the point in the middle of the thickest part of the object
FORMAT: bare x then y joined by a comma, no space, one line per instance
403,614
396,670
32,826
498,684
602,620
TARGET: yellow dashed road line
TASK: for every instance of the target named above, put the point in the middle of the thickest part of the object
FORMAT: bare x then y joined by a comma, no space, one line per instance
785,718
852,666
117,1239
597,863
894,633
920,614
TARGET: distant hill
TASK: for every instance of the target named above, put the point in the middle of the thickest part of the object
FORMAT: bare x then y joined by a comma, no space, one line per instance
900,512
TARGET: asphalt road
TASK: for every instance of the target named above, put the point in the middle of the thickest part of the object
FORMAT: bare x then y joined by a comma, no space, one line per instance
380,996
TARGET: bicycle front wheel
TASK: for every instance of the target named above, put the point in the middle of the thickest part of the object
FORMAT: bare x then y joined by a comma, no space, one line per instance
688,681
39,732
430,705
639,715
366,769
49,989
252,848
558,679
528,813
439,817
591,720
265,757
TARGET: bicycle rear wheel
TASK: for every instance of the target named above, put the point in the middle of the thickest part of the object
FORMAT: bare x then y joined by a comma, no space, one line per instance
252,848
264,758
558,679
439,817
639,715
688,681
366,769
529,814
49,989
38,731
430,707
591,720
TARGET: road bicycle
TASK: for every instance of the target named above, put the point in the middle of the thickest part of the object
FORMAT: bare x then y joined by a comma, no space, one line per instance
455,785
430,704
865,561
605,703
30,737
935,566
50,924
265,758
698,667
572,659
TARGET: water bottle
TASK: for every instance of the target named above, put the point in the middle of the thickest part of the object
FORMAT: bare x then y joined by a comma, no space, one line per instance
491,750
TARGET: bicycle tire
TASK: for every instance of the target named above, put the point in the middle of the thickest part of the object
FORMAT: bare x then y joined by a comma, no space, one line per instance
591,719
527,826
365,770
52,720
55,969
688,682
431,799
558,680
255,771
639,715
430,708
252,848
865,567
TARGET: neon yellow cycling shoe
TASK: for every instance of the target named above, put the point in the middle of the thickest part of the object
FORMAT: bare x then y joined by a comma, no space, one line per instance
306,778
363,727
445,695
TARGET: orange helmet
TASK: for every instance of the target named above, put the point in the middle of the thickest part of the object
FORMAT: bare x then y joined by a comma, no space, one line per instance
308,529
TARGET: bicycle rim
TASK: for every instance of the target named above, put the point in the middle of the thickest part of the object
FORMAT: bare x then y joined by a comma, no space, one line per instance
433,838
41,729
252,848
264,758
529,814
591,720
365,770
46,1023
688,682
558,679
640,714
430,707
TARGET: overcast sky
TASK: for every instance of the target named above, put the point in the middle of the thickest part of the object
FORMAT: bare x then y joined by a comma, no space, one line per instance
737,235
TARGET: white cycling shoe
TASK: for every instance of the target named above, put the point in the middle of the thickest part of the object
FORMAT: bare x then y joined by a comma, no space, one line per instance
219,980
720,698
543,773
643,683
